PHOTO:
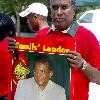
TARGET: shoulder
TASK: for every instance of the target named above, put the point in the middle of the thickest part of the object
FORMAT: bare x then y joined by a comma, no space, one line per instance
44,31
83,33
56,86
24,88
25,81
58,90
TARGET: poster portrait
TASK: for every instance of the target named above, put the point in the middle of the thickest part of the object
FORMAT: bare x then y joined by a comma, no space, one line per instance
28,50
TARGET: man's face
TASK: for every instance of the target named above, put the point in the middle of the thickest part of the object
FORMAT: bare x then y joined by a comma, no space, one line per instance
62,12
32,22
42,74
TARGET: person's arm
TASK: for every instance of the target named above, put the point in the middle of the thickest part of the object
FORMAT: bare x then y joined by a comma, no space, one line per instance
75,59
92,73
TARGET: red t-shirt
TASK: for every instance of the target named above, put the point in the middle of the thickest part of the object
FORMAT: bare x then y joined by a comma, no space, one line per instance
5,68
42,32
86,45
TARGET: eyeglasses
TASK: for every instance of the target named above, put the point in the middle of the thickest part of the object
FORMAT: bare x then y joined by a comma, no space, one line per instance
40,71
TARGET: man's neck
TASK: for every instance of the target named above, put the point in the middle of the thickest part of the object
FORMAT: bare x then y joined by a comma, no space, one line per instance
43,25
42,87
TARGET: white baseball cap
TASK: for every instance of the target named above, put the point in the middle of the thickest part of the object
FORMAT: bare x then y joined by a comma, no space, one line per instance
37,8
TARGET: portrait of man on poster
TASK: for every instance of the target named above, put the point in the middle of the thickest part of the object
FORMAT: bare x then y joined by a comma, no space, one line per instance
40,87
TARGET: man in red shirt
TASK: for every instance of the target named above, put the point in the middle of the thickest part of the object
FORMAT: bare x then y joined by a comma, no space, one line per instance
6,29
36,14
85,60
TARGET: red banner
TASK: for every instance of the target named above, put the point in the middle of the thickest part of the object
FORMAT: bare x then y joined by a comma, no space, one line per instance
29,44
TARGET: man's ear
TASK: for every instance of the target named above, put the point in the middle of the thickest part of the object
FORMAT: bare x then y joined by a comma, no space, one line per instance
51,74
74,10
34,17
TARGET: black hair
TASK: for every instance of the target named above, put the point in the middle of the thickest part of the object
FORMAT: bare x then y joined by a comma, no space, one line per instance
72,2
7,27
43,58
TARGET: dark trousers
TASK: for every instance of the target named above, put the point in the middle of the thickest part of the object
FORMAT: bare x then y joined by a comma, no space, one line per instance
5,97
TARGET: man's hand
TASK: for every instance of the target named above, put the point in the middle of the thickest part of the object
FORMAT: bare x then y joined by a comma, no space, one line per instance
11,45
75,59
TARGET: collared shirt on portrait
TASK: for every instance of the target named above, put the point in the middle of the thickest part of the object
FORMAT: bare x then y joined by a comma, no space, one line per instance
29,90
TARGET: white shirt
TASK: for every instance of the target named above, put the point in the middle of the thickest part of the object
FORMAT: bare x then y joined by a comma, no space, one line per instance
94,91
29,90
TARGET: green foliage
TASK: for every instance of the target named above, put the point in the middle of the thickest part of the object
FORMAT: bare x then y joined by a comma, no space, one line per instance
42,1
6,6
97,7
11,6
